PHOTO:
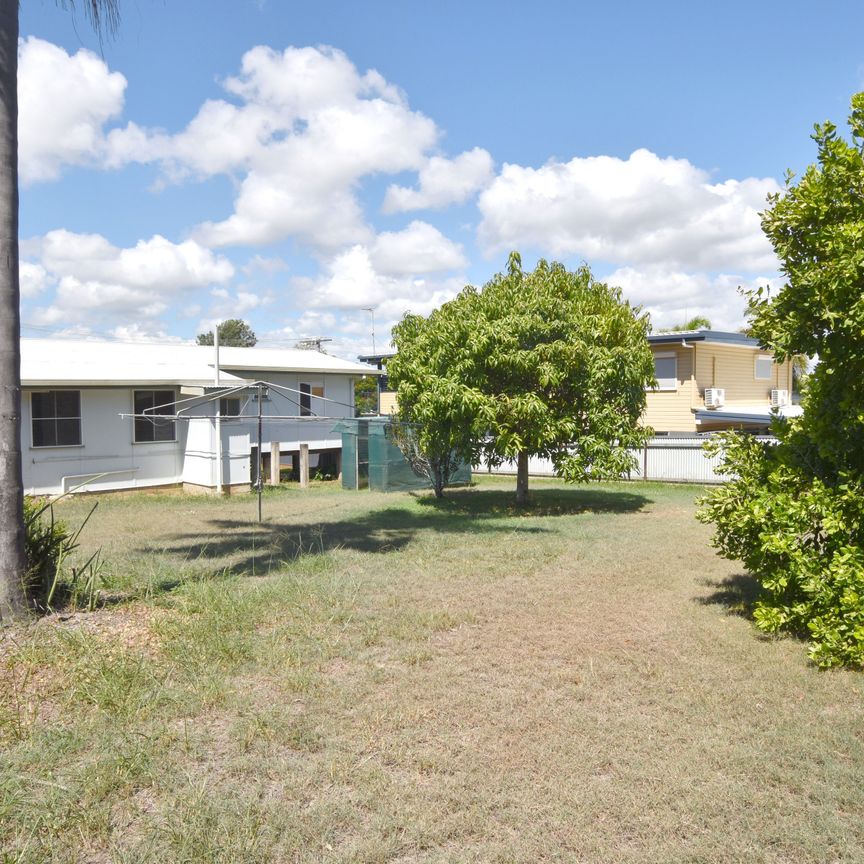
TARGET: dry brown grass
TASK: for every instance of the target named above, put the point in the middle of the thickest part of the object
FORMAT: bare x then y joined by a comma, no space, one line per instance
386,679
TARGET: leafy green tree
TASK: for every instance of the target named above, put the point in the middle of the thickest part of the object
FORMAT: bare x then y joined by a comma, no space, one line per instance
547,363
366,395
104,16
431,459
233,333
795,514
698,322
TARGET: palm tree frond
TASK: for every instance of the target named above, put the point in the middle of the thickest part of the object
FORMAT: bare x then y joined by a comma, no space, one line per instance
103,15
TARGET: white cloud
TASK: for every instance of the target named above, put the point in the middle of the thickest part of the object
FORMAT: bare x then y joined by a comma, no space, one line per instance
307,129
351,281
419,248
98,280
263,264
63,104
34,279
673,297
144,333
643,211
443,182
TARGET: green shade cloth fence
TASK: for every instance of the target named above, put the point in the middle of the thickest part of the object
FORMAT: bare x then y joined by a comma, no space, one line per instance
370,459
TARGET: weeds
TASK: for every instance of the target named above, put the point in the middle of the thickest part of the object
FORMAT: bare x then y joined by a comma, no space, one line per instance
48,544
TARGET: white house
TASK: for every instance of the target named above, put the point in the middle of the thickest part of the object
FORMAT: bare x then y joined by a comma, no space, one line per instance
107,415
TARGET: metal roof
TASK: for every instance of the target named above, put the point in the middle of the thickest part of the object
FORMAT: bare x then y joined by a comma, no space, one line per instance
722,337
47,362
376,358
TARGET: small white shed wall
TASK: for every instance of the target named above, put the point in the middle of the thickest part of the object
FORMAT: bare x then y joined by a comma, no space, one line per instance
199,467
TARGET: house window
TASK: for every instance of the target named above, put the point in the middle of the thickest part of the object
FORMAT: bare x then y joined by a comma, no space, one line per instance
666,370
56,418
764,368
307,391
229,407
151,426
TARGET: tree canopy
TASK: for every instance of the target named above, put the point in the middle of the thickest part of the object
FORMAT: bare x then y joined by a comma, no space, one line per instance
795,513
366,394
697,322
233,333
544,363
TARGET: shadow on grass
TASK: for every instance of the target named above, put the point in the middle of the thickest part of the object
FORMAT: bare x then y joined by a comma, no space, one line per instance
737,593
501,503
239,547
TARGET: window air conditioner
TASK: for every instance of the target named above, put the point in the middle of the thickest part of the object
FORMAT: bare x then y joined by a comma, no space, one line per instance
779,398
714,397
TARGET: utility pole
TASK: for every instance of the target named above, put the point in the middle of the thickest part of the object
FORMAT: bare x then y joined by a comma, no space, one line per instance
260,478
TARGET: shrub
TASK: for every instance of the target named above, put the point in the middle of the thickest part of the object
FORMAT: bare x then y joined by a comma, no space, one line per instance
795,515
800,536
48,543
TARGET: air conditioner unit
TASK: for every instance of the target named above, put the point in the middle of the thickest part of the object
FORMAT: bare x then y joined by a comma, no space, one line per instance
779,398
714,397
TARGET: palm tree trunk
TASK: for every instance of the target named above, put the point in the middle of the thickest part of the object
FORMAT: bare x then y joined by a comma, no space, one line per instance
12,557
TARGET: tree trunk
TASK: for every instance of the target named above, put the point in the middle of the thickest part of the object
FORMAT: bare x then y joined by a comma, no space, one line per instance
12,558
438,480
522,479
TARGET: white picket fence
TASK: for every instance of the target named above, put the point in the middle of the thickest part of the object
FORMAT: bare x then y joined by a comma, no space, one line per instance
669,459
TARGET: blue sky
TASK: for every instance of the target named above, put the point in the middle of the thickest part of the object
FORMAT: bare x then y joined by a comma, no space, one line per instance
293,163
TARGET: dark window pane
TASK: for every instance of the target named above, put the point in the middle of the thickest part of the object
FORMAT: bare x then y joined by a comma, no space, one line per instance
143,400
69,432
229,407
163,430
42,404
153,403
143,429
68,403
305,400
44,433
163,402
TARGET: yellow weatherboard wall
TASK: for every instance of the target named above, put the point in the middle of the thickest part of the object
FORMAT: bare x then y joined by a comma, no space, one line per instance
671,410
707,364
387,402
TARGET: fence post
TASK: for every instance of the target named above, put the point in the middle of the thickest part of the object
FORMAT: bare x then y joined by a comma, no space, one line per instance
274,463
304,466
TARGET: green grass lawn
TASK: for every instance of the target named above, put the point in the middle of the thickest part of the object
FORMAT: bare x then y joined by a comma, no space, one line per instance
387,678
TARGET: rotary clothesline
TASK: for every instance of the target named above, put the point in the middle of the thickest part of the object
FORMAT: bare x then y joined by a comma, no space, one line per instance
258,418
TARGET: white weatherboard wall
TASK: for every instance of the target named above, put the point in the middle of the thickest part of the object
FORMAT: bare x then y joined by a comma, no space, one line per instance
338,403
106,448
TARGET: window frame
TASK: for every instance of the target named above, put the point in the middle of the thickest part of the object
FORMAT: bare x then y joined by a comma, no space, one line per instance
55,418
138,422
307,395
665,355
224,403
756,375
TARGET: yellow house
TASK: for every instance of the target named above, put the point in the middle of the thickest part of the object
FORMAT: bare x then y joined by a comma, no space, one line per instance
707,380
